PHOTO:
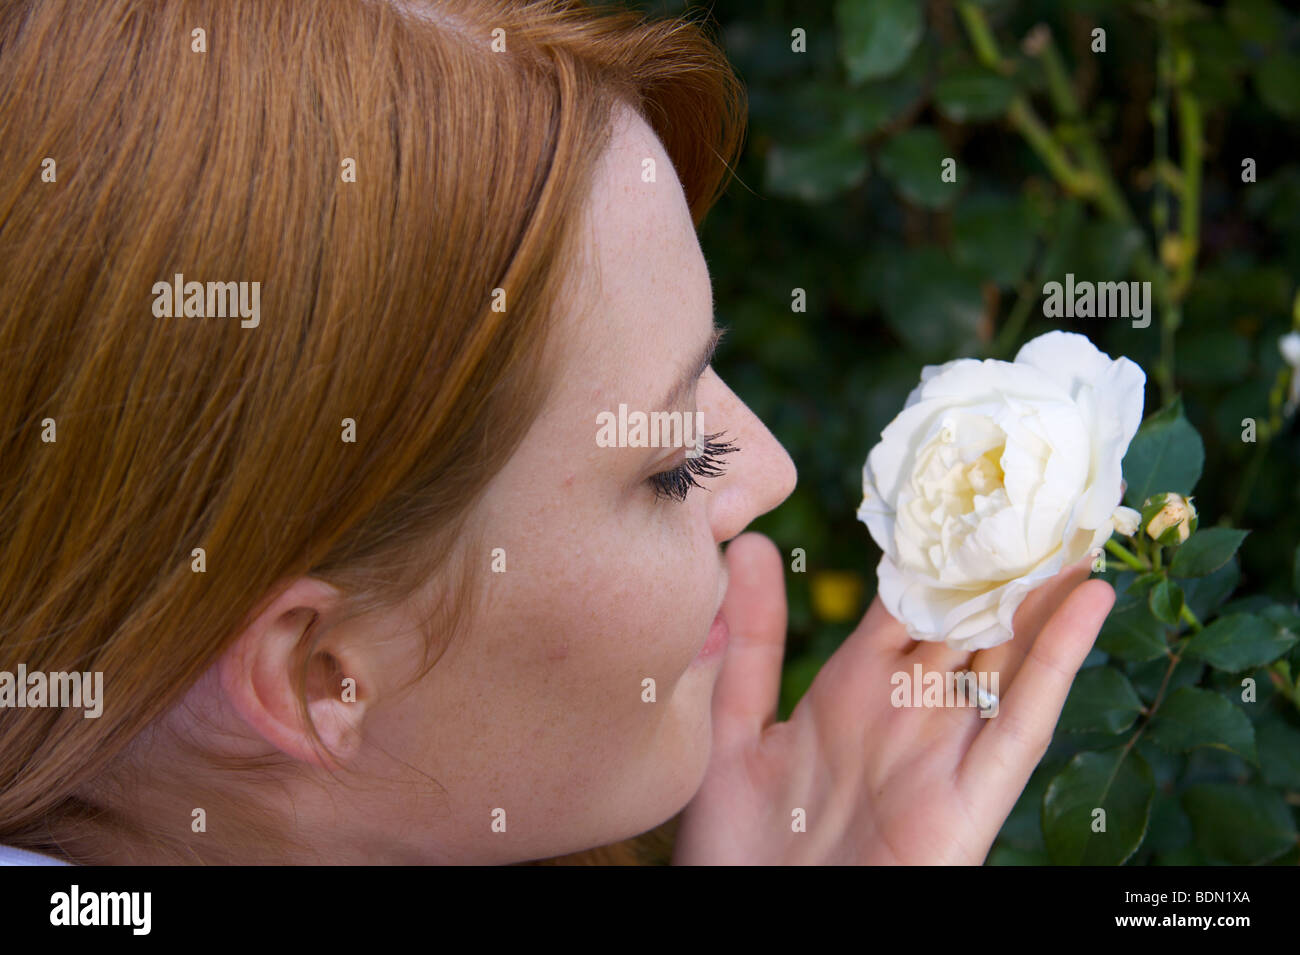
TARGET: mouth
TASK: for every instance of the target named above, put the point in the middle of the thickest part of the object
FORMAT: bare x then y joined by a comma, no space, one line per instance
717,639
719,631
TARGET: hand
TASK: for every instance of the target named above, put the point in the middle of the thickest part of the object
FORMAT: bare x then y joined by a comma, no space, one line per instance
879,784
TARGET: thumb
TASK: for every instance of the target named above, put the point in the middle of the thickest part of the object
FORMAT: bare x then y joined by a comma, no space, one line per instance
745,697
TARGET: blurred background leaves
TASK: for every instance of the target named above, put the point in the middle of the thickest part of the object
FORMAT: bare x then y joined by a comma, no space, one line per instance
1120,163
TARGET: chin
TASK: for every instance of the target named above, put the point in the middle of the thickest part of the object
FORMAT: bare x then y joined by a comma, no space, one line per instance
689,763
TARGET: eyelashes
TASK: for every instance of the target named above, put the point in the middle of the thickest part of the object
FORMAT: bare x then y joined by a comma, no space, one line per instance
676,483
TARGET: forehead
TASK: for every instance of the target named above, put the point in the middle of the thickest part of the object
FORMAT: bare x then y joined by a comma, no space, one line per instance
642,302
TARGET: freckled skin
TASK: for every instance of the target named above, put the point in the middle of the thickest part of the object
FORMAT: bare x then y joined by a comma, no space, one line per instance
533,715
537,708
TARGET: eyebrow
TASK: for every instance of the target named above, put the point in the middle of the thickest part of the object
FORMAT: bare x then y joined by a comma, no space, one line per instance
694,370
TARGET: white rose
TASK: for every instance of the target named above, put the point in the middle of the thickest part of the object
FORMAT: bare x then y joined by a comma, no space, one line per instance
994,477
1289,346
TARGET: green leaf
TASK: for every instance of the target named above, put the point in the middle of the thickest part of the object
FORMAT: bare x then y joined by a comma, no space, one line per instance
808,109
1130,632
1260,22
1278,80
1143,583
1167,768
1152,678
877,36
866,112
1219,61
973,94
1023,828
1117,781
866,109
1100,699
1206,551
761,51
933,306
1193,717
1188,855
1279,751
1248,603
1166,455
1239,641
815,171
1096,250
1239,825
1213,356
1204,594
1170,829
1289,858
1286,619
1295,572
1007,855
993,237
1166,601
912,161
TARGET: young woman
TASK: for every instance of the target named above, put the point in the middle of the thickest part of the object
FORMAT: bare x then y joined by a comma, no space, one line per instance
310,313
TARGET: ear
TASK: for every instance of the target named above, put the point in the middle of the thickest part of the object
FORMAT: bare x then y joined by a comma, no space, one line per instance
258,675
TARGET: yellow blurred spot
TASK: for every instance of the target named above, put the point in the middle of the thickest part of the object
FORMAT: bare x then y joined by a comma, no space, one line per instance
1171,251
836,594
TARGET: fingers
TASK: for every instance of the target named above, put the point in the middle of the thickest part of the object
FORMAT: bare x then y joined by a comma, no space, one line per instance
877,637
886,633
749,684
1033,611
937,655
1008,747
1031,616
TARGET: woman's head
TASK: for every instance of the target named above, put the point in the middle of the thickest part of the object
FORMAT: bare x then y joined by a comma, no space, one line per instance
425,591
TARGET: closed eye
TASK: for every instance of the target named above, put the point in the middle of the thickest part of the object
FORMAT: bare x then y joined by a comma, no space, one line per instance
676,482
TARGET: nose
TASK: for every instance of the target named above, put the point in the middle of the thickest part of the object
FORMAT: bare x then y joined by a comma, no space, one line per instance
759,476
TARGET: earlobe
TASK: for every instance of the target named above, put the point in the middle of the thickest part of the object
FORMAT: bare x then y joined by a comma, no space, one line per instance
259,677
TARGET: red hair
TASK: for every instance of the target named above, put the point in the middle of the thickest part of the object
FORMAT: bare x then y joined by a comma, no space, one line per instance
131,155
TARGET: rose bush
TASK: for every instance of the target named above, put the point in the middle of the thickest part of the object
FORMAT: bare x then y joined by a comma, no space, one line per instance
1184,723
994,477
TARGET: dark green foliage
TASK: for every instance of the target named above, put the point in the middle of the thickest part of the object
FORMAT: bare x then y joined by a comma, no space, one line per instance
1123,165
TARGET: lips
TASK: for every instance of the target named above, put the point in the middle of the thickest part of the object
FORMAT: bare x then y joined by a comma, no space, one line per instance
719,631
716,641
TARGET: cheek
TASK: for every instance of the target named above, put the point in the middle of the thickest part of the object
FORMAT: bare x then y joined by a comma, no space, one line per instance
641,612
550,681
641,607
579,620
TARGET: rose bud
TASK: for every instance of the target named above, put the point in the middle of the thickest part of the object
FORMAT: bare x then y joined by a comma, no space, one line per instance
1127,521
1173,519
